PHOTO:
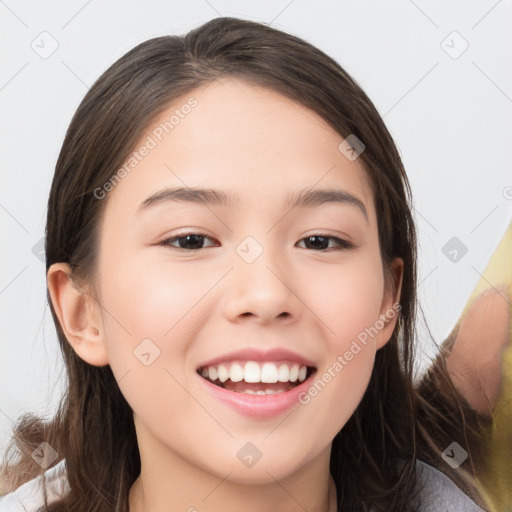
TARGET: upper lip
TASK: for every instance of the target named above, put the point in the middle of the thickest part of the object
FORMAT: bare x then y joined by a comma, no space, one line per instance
251,354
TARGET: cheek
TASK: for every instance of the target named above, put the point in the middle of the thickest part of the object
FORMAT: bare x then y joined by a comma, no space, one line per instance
149,320
151,300
347,297
335,394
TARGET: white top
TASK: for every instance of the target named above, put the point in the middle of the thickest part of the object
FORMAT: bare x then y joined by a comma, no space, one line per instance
438,492
29,496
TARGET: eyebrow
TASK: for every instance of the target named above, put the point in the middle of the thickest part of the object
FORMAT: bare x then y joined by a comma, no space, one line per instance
211,197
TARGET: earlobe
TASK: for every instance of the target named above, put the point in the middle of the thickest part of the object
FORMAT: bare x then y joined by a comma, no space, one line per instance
390,308
79,315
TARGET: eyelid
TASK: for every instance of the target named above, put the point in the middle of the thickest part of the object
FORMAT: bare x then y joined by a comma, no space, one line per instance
173,238
341,243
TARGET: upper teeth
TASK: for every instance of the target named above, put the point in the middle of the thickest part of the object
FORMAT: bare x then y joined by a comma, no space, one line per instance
252,371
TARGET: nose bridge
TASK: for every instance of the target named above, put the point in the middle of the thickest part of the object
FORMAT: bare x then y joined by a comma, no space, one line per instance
258,260
259,245
260,278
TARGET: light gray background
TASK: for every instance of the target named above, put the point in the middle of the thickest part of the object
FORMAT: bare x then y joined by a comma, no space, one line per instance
449,114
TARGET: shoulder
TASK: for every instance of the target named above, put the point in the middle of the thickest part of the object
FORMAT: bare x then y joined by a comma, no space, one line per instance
29,496
438,492
435,492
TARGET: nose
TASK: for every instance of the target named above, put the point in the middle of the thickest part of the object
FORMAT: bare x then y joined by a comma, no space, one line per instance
261,289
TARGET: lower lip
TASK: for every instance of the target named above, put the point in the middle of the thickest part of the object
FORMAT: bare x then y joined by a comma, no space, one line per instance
258,406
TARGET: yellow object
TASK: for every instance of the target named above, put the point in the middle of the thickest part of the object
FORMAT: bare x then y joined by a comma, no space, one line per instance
495,477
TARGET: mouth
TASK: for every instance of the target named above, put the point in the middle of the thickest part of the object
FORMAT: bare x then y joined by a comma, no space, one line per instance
257,377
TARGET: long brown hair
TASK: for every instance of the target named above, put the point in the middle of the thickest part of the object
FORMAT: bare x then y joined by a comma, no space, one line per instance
93,428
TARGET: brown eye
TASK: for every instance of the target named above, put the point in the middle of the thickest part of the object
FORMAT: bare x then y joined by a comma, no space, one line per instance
186,241
194,242
321,242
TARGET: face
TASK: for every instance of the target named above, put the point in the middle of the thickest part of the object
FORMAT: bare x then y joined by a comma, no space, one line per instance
201,301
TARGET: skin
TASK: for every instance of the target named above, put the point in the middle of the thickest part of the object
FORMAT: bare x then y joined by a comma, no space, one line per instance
475,359
194,306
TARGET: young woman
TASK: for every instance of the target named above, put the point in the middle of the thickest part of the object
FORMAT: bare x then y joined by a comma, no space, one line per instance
231,268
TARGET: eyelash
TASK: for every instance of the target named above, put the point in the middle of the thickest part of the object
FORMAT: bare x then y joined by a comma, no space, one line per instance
340,243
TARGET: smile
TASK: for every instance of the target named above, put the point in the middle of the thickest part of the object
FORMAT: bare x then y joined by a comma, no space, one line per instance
257,377
258,384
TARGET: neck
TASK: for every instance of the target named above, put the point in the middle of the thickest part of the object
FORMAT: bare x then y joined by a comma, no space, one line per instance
143,499
168,483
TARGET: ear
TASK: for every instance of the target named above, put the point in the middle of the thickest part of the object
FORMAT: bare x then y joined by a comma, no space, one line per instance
79,315
390,307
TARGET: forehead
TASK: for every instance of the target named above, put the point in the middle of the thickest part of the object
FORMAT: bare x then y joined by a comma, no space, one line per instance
247,140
